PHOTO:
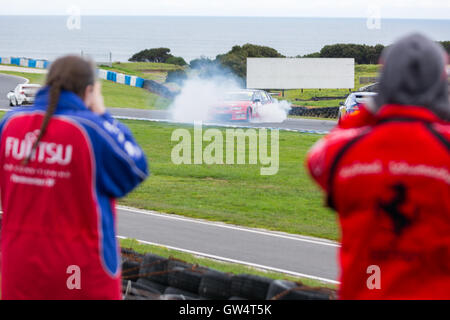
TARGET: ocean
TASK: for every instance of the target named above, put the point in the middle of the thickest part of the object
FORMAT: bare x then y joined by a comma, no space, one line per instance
48,37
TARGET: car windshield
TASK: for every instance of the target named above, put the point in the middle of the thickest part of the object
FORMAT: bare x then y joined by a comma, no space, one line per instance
238,96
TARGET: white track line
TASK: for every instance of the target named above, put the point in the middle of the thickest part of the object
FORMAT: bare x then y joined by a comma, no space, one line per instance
254,265
233,227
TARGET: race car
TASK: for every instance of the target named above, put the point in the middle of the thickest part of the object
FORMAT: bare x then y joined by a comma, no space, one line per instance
22,94
242,105
353,102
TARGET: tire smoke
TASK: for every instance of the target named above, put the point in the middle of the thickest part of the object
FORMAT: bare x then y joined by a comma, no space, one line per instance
199,97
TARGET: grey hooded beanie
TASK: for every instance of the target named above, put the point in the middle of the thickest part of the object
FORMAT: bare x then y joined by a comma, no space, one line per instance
414,73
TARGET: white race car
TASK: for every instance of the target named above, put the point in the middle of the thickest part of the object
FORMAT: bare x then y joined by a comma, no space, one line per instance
23,94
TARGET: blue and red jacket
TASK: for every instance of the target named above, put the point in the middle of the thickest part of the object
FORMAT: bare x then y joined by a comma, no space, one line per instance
58,210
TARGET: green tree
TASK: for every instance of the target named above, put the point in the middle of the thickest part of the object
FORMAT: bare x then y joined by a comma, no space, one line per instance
179,61
446,45
152,55
236,58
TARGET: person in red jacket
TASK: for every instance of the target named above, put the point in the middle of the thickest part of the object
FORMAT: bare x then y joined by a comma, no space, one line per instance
386,171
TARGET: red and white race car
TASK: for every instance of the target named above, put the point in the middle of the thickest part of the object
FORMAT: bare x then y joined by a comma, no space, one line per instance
243,105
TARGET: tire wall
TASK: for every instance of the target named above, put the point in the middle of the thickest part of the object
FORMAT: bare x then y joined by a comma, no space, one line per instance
151,277
325,112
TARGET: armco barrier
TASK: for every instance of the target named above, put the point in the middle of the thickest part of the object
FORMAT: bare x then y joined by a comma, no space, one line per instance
151,277
121,78
25,62
102,74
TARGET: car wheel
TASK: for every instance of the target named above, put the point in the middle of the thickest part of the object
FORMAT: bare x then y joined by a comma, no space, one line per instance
14,102
249,115
10,103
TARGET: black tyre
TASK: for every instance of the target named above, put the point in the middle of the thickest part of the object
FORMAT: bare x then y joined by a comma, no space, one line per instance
172,297
250,287
215,285
130,270
154,268
185,279
133,290
145,289
249,115
130,254
152,284
287,290
178,264
300,293
279,286
237,298
188,295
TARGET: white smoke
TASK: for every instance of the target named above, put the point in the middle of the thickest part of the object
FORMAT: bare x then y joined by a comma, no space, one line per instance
274,112
199,96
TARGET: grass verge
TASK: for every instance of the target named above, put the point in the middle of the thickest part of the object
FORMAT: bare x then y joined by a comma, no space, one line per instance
217,265
146,70
238,194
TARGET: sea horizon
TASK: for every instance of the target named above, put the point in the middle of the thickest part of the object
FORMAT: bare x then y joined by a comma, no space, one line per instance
191,37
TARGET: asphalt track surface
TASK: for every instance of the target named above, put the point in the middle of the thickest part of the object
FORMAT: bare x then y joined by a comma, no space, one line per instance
301,125
293,254
8,83
296,255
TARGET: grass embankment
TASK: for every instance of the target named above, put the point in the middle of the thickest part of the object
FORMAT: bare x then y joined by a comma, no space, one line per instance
361,70
216,265
287,201
116,95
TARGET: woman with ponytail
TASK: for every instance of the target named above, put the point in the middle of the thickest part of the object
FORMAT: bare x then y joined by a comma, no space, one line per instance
63,162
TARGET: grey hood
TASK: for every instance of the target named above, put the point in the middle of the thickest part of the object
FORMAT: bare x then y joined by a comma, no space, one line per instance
414,73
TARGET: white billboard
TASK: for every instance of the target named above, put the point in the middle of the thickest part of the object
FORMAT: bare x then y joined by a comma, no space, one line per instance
300,73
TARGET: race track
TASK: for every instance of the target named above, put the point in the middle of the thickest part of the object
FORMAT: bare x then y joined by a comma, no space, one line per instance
8,83
302,125
292,254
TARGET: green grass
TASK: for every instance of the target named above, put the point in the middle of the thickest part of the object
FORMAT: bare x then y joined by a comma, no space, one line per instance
146,70
312,118
216,265
321,103
116,95
288,201
32,77
122,96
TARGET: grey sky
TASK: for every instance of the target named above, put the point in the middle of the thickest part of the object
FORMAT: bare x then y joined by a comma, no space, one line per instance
422,9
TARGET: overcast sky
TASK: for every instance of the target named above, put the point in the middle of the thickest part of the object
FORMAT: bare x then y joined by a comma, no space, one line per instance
422,9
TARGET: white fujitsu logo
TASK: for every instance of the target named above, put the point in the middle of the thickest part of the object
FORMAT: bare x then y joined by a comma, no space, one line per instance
45,152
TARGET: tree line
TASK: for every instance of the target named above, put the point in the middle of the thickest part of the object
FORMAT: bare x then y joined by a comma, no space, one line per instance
363,54
235,60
